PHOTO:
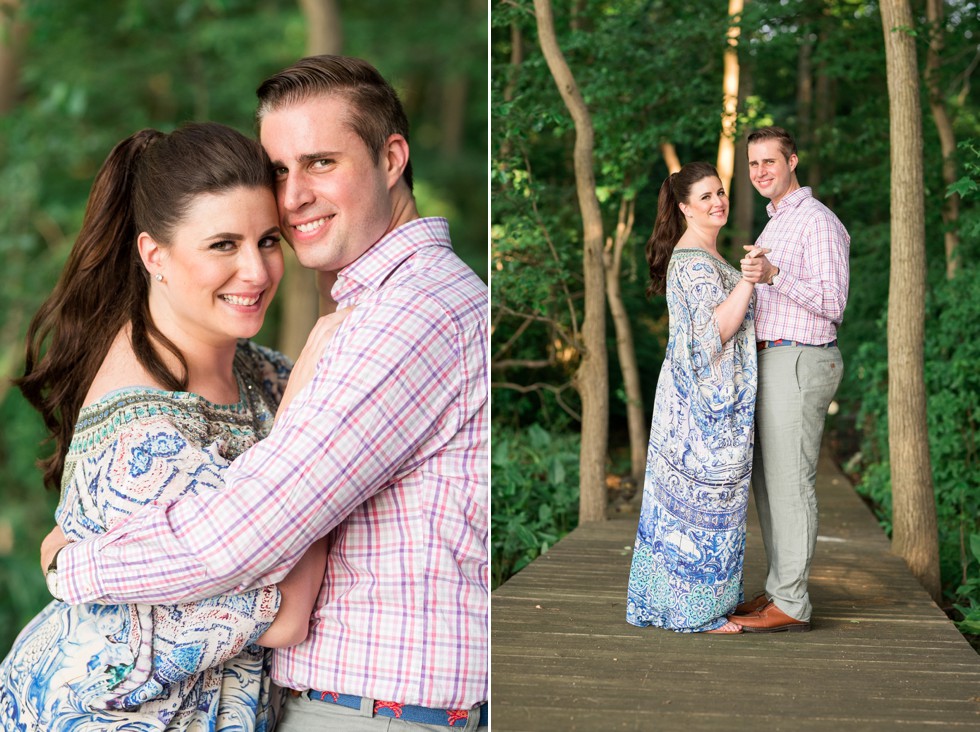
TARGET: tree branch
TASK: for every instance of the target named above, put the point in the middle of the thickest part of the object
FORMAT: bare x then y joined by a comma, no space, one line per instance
565,335
510,342
541,386
551,246
521,363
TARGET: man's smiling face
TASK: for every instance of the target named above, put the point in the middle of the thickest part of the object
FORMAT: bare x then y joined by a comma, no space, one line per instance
334,199
770,171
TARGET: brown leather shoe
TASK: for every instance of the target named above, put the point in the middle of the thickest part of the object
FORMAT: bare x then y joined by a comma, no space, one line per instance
770,619
750,606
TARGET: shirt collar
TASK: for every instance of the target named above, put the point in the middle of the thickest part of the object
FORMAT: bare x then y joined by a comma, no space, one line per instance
371,269
793,200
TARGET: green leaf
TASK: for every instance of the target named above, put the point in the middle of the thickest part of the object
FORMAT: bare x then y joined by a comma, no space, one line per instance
557,476
975,546
964,187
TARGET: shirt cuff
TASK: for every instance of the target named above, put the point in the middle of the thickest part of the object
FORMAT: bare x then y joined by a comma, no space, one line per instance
78,573
779,283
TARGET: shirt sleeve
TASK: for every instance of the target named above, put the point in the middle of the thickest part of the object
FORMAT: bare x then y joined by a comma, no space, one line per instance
388,381
822,289
150,459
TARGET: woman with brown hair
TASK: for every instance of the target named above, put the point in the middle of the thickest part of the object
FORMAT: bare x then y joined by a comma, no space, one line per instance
686,573
139,364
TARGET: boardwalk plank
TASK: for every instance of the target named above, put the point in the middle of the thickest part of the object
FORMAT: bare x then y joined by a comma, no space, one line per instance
881,655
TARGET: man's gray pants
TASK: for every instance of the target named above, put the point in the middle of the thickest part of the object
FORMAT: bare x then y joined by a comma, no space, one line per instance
796,386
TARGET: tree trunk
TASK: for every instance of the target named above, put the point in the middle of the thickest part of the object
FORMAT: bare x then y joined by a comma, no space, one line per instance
726,143
13,34
454,92
592,377
301,302
12,38
804,93
823,118
635,419
914,536
742,191
516,59
324,32
671,160
947,140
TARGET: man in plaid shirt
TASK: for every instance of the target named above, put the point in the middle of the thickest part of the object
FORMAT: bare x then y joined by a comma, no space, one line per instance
801,293
384,451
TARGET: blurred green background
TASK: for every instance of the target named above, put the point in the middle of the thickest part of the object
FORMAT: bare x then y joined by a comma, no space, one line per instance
77,77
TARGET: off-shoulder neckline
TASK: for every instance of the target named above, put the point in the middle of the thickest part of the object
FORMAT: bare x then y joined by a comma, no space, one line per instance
107,398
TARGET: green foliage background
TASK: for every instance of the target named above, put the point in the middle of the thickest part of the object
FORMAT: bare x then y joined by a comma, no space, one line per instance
94,72
651,71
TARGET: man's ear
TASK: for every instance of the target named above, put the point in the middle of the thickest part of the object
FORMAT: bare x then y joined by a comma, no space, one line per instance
793,162
395,157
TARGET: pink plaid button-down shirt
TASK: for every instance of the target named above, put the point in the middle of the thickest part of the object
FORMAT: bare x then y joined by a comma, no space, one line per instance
810,246
385,451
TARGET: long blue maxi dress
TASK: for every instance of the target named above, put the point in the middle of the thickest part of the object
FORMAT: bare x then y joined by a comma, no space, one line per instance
686,573
149,668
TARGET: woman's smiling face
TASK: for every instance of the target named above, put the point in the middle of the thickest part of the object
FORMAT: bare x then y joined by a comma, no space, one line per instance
707,205
222,265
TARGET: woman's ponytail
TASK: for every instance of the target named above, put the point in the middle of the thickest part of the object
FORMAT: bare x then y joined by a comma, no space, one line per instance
71,333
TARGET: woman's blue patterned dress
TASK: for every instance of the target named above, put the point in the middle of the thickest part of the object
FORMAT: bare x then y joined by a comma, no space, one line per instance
686,573
137,667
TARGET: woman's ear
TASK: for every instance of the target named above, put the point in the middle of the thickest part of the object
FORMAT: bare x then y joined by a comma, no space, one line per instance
151,253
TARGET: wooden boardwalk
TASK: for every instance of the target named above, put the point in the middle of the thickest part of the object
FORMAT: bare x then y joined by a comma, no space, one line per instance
881,655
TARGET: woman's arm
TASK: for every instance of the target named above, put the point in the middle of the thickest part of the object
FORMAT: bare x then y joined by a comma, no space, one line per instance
730,314
305,366
298,592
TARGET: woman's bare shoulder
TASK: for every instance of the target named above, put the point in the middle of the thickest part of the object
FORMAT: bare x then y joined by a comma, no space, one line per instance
119,369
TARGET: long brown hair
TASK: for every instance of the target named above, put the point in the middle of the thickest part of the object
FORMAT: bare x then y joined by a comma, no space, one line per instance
147,183
375,110
669,226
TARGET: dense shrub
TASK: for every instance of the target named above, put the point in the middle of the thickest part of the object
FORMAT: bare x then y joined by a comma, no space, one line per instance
953,402
534,494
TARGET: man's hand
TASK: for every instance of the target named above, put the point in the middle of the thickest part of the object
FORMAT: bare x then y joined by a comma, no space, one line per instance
756,267
49,547
305,366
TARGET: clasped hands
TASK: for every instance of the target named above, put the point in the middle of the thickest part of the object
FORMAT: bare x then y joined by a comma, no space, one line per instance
756,267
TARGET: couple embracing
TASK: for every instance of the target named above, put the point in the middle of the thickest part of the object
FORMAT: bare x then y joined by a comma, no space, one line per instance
221,502
750,369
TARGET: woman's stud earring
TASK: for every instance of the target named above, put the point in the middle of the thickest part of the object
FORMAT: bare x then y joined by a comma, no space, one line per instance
158,277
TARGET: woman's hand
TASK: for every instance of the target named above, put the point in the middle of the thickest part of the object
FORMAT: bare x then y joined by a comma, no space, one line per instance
54,541
298,592
305,366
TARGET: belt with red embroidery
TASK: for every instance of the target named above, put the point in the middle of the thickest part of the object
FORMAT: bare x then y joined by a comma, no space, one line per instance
405,712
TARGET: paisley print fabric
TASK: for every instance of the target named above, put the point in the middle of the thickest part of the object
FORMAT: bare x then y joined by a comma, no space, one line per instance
686,572
144,668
